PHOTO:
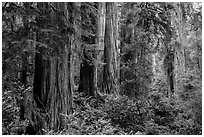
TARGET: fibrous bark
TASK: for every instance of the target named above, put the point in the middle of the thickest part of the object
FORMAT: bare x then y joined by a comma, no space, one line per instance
88,67
53,83
179,54
110,53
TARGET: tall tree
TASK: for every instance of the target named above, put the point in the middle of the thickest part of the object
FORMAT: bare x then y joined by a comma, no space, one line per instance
110,53
87,83
179,53
53,83
116,59
100,41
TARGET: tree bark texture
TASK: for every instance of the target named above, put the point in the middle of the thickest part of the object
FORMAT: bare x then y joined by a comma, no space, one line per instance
53,83
198,36
100,41
169,70
88,67
24,70
109,77
179,54
116,58
86,83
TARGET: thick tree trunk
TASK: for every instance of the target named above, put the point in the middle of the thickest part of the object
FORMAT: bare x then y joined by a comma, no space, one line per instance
100,38
60,94
116,59
109,77
53,83
38,77
88,68
86,83
179,56
24,83
101,26
78,46
24,71
99,41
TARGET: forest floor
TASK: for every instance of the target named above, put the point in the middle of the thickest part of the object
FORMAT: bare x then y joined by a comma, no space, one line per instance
116,115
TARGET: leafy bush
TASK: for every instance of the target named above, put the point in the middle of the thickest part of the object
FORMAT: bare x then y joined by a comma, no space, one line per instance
11,96
152,128
189,120
179,116
88,119
118,116
90,122
128,114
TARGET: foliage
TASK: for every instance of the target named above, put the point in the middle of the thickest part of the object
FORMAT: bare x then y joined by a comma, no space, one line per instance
129,114
88,119
181,114
191,103
149,23
142,106
11,97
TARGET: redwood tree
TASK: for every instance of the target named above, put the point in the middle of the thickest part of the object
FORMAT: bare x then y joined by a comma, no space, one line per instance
110,52
53,84
87,67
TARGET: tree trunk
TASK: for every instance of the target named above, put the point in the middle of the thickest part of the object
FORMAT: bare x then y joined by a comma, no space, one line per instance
101,25
77,46
24,70
88,67
179,56
24,82
53,83
86,83
198,36
109,77
100,38
116,59
169,68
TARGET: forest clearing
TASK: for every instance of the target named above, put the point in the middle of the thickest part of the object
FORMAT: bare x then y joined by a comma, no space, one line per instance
101,68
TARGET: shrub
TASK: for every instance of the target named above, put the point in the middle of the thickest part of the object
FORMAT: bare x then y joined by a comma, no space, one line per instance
11,123
128,114
87,120
189,120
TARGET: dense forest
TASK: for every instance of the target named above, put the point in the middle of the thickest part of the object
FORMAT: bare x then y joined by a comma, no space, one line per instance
102,68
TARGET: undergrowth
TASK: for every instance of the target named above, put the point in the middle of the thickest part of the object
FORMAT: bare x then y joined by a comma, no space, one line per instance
118,115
